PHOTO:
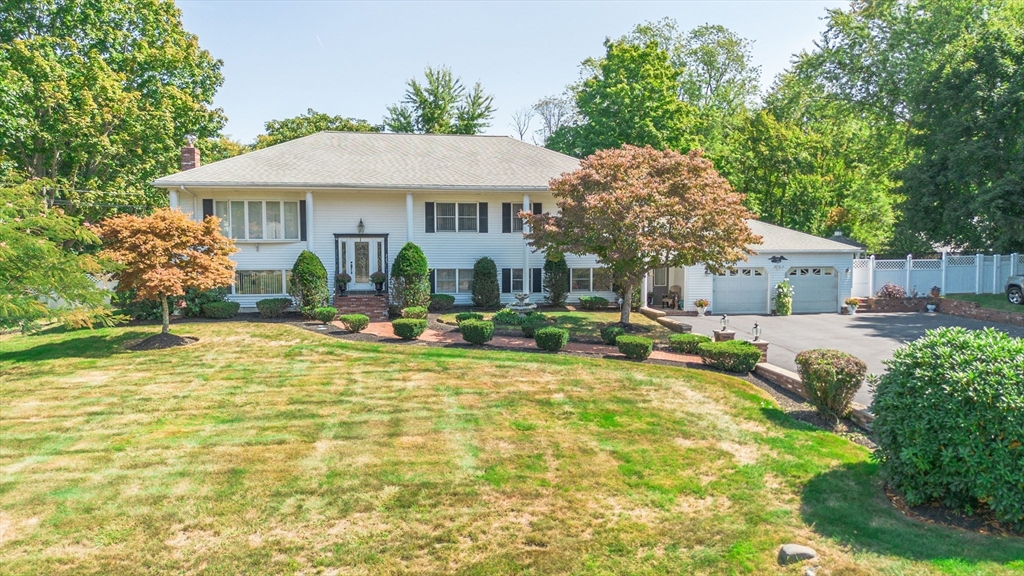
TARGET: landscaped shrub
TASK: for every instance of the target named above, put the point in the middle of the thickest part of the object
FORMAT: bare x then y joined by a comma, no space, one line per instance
273,307
783,298
593,303
732,356
325,314
949,421
354,322
635,347
441,302
308,284
409,328
611,332
463,316
125,303
551,339
890,290
484,286
477,331
636,302
220,309
555,281
530,328
410,278
831,378
510,317
415,312
687,343
196,299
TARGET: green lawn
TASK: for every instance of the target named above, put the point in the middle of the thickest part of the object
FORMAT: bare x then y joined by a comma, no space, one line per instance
267,449
588,324
993,301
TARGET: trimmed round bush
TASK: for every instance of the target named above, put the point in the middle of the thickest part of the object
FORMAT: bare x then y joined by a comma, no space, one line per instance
477,331
732,356
687,343
635,347
220,309
831,378
484,286
509,317
551,339
273,307
418,312
463,316
441,302
949,421
409,328
308,284
354,322
611,332
593,303
325,314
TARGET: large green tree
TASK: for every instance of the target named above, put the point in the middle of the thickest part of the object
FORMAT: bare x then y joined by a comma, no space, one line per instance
441,105
278,131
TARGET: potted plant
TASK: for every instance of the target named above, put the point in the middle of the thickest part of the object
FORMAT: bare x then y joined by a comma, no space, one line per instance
702,306
935,292
378,278
851,305
341,281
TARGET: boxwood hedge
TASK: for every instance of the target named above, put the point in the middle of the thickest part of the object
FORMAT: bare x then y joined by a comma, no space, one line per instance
220,309
551,339
325,314
463,316
418,312
610,333
687,343
354,322
732,356
441,302
635,347
831,378
476,331
593,303
408,328
273,307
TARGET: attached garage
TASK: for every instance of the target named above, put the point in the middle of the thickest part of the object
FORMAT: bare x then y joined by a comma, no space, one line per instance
741,291
815,289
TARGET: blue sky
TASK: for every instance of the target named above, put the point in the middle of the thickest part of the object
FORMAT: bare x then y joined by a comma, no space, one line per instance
353,58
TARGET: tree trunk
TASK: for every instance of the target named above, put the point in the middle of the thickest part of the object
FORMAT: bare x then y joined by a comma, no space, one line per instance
627,303
167,315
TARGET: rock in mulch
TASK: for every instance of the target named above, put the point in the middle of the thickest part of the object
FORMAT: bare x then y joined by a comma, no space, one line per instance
162,341
793,553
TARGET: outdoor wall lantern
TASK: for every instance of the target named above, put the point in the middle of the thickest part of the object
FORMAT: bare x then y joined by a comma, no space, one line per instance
361,227
725,322
756,332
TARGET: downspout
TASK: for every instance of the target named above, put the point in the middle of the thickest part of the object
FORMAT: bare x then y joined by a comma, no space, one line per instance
194,198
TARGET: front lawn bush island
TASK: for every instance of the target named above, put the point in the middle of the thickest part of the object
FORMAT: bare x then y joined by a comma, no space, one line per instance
273,307
409,328
732,356
784,298
220,309
325,314
551,339
308,284
463,316
510,317
635,347
890,291
441,302
484,285
949,422
354,322
611,332
477,331
831,378
415,312
593,303
687,343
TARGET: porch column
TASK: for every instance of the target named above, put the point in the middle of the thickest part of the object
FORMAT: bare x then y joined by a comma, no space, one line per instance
643,290
526,246
309,221
172,198
408,217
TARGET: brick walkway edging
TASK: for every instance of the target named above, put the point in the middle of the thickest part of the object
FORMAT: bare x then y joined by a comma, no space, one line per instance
791,381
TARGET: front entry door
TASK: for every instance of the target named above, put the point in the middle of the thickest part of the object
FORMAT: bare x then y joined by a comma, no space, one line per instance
361,256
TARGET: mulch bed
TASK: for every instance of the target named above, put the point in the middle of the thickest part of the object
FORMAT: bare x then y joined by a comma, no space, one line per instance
162,342
983,521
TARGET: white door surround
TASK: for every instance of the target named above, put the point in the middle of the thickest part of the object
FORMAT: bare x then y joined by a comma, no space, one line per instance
360,255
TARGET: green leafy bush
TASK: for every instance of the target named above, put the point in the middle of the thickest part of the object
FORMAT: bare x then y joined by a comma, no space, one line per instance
732,356
551,339
635,347
354,322
441,302
484,286
409,328
949,421
125,303
831,378
687,343
510,317
196,299
783,298
611,332
477,331
418,312
463,316
530,328
593,303
220,309
325,314
410,278
555,281
273,307
308,284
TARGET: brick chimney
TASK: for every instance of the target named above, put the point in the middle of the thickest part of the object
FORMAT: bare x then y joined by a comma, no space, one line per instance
189,155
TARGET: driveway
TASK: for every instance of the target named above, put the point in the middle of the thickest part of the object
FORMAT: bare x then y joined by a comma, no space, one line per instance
871,337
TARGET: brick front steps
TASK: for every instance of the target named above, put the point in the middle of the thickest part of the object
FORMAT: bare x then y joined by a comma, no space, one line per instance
375,307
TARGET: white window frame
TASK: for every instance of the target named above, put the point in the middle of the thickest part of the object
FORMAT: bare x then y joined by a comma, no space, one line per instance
517,222
454,280
285,277
457,222
664,281
458,280
513,281
475,218
226,223
590,280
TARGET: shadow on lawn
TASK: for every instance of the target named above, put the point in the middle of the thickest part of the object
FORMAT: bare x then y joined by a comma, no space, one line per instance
90,346
848,504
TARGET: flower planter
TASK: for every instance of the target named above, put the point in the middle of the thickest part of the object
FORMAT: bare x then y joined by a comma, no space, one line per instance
851,309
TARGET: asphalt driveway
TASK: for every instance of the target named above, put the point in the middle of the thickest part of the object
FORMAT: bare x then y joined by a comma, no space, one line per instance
870,337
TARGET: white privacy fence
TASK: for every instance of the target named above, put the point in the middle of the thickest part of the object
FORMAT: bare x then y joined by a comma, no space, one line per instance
953,274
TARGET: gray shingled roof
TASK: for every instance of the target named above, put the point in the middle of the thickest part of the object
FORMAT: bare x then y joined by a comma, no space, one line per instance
778,239
388,161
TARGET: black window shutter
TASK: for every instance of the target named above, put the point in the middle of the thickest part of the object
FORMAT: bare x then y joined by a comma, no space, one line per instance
506,217
536,280
433,278
207,208
302,220
506,280
538,208
481,212
430,217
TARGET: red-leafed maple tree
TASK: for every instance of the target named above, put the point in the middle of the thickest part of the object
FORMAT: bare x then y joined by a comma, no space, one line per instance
638,209
166,253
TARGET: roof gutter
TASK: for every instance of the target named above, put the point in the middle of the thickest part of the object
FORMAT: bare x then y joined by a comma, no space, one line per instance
377,187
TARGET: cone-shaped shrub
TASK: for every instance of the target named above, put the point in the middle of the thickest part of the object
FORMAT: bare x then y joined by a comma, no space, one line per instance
308,284
486,292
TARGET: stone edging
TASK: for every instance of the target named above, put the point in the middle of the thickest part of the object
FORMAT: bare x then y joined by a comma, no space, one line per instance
791,381
951,306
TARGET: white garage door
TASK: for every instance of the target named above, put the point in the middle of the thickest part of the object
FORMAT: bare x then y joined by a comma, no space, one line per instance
814,289
741,291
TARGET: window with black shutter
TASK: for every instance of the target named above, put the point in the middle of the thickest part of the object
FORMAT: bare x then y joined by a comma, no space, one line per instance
482,215
430,217
536,275
433,281
207,208
506,217
506,280
302,220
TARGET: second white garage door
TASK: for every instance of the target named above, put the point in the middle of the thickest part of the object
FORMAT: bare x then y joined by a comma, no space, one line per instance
741,291
814,289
